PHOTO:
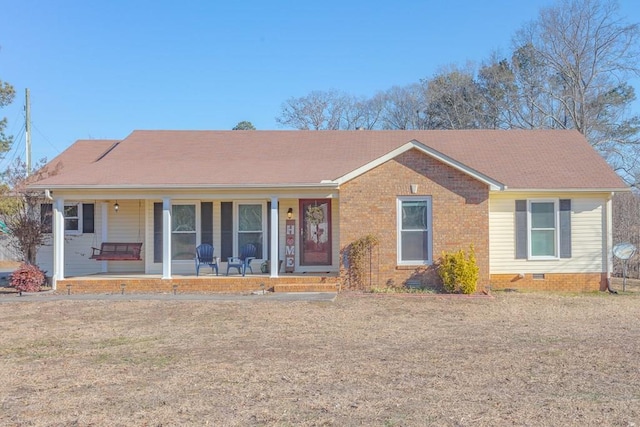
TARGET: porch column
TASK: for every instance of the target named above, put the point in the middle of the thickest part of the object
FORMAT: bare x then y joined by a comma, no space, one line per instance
166,238
58,241
104,206
273,268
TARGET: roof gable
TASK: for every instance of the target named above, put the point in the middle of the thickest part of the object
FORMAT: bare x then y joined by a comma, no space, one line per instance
493,184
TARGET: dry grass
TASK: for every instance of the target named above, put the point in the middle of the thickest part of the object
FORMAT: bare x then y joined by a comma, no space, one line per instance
518,359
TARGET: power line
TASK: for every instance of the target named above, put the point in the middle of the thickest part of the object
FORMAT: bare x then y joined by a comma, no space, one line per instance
16,147
45,138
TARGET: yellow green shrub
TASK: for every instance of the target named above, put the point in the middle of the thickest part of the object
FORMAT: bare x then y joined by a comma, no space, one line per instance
459,273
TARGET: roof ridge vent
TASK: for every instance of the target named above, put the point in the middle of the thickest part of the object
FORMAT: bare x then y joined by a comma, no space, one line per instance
103,155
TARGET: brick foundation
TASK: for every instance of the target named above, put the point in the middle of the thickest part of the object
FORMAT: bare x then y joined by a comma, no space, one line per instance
569,282
110,285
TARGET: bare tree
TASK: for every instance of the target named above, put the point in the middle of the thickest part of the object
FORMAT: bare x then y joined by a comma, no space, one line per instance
20,209
405,107
497,84
455,100
626,220
571,65
315,111
362,113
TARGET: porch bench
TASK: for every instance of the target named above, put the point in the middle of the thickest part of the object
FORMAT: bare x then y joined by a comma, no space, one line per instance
110,251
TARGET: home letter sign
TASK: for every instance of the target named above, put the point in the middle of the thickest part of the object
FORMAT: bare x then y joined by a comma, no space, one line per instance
290,246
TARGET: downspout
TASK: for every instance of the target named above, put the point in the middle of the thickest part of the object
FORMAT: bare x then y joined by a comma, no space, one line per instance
47,194
609,241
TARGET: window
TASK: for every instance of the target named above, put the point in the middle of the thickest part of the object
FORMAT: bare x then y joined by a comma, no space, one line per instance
543,229
72,216
251,226
183,232
73,220
46,217
414,230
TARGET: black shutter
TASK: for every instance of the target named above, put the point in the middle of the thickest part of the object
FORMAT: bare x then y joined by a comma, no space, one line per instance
226,230
565,228
46,217
206,219
521,229
268,230
88,217
157,232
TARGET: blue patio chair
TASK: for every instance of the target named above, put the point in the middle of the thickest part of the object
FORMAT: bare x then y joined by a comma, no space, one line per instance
204,256
247,254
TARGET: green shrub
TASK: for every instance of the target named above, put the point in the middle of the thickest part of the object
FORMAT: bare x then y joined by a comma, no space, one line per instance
458,272
27,278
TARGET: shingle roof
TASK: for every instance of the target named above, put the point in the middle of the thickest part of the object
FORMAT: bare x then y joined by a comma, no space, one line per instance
526,159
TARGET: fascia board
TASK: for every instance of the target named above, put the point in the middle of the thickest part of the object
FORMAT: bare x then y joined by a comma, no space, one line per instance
567,190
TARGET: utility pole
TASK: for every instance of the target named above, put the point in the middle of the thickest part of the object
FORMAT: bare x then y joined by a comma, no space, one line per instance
27,109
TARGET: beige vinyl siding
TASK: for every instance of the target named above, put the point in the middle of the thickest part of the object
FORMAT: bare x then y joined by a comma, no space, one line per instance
126,225
77,250
587,236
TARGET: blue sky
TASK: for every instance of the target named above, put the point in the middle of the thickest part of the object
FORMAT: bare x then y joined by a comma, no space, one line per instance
103,69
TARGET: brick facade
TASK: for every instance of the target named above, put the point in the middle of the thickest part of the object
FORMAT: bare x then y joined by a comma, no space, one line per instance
460,214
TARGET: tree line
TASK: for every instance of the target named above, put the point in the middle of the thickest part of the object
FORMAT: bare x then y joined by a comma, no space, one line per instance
568,69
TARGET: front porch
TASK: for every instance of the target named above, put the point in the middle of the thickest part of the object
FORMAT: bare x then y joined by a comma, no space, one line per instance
207,283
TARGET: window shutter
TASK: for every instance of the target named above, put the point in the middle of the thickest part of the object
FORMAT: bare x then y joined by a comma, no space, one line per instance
521,229
226,228
157,232
46,217
87,217
206,215
565,228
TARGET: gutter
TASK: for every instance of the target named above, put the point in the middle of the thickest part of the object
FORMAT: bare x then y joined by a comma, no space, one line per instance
567,190
323,185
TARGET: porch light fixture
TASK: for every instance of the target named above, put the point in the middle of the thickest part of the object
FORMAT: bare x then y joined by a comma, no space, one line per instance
116,207
290,213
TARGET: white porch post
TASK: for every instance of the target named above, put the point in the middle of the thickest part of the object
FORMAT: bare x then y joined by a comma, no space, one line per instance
58,241
273,268
166,238
104,230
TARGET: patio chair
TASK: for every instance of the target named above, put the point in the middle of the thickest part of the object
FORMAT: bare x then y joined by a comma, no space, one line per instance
241,263
204,256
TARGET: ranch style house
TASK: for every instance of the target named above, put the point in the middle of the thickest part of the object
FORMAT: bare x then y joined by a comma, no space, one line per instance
535,205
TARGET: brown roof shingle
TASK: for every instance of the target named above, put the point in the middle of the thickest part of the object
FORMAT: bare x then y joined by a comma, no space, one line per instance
526,159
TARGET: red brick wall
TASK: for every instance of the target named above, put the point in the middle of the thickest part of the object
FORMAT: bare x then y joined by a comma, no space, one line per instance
460,214
574,282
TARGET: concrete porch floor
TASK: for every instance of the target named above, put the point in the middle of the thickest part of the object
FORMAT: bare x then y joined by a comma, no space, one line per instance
205,283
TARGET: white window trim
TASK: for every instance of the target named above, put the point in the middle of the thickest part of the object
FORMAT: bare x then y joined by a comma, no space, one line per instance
236,225
399,201
197,230
556,216
80,225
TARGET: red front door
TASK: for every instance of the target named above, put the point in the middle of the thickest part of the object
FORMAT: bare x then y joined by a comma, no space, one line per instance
315,233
